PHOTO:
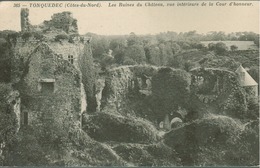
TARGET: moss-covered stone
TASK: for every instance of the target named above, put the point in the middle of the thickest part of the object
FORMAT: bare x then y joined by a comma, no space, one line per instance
214,140
110,127
123,85
219,90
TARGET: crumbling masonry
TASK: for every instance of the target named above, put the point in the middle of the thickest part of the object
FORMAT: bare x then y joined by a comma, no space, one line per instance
51,82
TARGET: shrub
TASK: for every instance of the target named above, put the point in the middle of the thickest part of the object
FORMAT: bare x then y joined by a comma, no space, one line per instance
38,35
88,71
26,36
212,46
110,127
61,37
214,140
129,61
136,53
5,61
220,48
233,47
7,117
147,155
170,89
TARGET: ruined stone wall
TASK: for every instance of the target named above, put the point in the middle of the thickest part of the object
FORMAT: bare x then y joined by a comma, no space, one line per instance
21,51
24,49
25,23
63,21
220,89
100,84
66,49
60,21
64,102
211,91
121,83
9,117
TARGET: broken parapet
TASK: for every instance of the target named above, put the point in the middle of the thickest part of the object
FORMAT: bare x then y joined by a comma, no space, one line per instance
25,22
60,21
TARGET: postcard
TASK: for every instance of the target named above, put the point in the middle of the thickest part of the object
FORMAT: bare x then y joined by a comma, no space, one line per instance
129,83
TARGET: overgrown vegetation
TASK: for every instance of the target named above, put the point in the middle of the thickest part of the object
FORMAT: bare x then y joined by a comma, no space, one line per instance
161,49
87,69
110,127
214,141
60,37
7,116
157,154
172,93
5,60
127,135
220,89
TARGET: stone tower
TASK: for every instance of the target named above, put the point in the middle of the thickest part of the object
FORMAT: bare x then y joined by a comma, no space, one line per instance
25,23
247,81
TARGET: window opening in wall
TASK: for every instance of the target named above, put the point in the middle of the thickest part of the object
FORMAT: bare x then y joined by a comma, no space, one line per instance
70,59
47,87
25,118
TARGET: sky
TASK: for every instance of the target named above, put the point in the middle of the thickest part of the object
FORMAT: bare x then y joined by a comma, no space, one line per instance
142,20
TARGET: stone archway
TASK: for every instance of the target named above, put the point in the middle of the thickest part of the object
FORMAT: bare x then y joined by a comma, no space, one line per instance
176,122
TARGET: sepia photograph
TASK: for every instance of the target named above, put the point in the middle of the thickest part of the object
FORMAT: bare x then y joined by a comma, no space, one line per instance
129,83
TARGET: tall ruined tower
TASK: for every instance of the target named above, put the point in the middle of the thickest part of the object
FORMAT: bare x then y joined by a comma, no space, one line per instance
25,23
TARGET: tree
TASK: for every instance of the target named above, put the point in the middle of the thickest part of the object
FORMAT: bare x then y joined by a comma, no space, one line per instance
136,53
119,55
153,55
175,48
5,61
26,36
165,53
233,48
129,61
106,61
184,44
216,36
87,69
211,46
247,36
176,62
170,90
188,65
100,46
256,40
8,120
198,45
61,37
133,39
220,48
117,44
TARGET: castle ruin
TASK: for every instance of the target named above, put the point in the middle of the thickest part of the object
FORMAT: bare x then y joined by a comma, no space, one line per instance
25,23
60,21
51,87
